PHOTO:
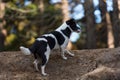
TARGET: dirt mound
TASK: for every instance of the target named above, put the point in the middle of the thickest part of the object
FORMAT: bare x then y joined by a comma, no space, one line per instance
102,73
17,66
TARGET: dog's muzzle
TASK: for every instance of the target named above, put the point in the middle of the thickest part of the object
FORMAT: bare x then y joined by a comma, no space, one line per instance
78,31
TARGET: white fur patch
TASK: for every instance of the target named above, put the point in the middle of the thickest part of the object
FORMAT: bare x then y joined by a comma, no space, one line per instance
39,39
25,51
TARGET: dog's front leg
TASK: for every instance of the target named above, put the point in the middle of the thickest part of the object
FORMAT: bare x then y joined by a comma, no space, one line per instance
63,54
71,54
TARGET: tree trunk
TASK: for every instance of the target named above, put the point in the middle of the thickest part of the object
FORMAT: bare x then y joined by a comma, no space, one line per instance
110,32
116,23
118,7
103,9
2,30
65,13
41,6
90,28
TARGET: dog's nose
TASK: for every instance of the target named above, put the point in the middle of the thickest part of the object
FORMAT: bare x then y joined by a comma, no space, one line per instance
79,30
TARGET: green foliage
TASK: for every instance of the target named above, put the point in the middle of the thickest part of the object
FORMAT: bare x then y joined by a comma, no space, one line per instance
27,23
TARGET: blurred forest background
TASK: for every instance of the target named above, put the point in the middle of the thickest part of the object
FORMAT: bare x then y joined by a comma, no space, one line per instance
21,21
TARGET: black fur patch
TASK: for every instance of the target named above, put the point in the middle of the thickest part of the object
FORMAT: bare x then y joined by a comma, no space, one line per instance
67,32
60,38
51,41
39,48
38,45
72,24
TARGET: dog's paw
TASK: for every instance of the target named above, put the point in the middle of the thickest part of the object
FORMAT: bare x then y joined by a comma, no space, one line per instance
65,58
44,74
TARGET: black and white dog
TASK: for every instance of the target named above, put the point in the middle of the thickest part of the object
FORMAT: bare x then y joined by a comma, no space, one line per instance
53,40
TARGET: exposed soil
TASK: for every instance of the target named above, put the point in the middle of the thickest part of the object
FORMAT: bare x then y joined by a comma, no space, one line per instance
17,66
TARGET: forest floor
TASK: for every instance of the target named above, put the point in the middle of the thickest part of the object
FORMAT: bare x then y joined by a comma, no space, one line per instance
16,66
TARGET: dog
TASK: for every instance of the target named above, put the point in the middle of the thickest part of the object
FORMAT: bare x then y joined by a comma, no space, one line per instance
57,39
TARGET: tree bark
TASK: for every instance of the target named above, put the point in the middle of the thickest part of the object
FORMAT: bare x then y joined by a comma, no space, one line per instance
90,28
116,23
65,13
41,6
118,8
103,9
110,32
2,30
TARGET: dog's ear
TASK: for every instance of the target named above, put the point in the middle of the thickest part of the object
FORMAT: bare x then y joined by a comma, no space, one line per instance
70,21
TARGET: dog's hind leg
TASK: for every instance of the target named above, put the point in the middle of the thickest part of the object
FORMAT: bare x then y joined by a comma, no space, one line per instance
45,58
36,64
36,61
44,62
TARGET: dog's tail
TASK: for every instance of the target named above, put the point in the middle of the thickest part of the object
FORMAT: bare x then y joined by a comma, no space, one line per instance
25,51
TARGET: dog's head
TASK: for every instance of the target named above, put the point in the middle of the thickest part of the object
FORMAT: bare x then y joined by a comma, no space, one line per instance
73,25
